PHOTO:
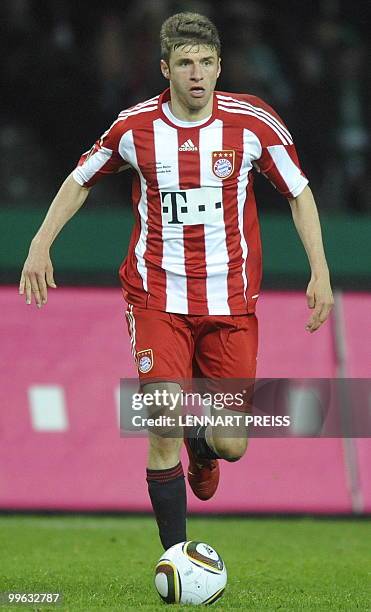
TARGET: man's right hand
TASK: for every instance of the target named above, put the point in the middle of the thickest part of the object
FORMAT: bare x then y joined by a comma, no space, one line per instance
37,273
37,276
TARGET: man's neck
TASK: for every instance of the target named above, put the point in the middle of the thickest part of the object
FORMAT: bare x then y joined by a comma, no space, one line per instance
188,114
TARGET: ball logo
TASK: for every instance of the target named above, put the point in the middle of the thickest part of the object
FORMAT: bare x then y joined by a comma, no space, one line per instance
145,360
223,163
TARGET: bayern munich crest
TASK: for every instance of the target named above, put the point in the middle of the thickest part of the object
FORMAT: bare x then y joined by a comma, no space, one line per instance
145,360
223,163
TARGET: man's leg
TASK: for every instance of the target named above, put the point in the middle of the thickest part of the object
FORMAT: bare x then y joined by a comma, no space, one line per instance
162,344
165,477
226,350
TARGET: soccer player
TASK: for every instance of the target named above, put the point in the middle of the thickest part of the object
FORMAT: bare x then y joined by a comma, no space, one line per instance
192,273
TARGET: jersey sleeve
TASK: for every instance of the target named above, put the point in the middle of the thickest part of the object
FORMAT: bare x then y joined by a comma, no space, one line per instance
103,158
278,160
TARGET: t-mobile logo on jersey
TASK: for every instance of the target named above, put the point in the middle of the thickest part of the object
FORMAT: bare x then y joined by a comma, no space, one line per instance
192,206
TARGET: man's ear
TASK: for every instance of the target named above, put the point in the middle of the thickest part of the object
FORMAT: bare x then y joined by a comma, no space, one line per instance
165,69
219,68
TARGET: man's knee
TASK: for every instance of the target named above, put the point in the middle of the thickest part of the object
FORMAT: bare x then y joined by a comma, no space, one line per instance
231,449
166,437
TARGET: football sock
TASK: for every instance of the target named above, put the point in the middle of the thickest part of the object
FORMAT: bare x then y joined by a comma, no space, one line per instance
168,496
199,446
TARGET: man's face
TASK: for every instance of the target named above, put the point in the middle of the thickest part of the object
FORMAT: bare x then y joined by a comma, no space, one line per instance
192,72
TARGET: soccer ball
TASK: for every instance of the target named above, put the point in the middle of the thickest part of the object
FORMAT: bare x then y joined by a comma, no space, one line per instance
190,573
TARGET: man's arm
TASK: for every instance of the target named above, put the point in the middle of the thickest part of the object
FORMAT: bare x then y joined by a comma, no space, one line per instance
37,273
319,293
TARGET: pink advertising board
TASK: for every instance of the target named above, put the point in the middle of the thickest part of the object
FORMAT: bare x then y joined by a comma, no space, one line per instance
60,446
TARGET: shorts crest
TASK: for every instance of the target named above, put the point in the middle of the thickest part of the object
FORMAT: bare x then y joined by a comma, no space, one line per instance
145,360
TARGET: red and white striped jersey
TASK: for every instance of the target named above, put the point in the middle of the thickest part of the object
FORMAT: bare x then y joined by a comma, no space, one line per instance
195,247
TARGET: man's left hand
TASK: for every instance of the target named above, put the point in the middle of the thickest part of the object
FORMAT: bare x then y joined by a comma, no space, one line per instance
320,299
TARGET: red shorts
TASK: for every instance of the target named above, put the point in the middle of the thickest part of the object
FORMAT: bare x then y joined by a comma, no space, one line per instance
169,346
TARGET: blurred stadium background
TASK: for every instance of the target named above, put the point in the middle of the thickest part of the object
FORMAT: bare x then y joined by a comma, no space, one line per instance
69,69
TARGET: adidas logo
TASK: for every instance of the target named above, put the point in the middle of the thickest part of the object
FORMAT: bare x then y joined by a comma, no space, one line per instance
188,146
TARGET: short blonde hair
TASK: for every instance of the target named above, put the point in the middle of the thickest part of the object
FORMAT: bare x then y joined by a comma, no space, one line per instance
188,29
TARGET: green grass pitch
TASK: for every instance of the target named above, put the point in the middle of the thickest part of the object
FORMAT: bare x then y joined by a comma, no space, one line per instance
106,563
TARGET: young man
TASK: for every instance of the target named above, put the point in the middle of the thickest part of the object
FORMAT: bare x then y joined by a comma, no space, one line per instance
192,274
